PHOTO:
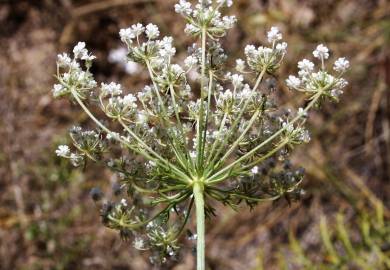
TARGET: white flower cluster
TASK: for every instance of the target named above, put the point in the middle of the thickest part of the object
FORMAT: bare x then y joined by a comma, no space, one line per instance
206,16
112,89
63,151
314,81
149,50
264,57
117,106
295,135
81,52
74,77
186,142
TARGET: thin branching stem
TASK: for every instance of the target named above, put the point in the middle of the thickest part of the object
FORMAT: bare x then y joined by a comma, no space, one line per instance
270,139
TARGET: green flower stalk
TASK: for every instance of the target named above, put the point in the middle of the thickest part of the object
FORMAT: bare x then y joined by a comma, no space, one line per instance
172,151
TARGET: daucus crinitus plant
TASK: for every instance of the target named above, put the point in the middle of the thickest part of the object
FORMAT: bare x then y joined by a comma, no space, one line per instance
175,148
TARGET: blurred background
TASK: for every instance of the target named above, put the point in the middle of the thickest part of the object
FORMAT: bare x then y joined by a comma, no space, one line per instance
48,221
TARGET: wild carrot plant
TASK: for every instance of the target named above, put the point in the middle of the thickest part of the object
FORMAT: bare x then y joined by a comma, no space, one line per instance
177,146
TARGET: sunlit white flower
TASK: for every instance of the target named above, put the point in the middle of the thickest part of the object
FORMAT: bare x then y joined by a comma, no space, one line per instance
112,89
190,61
129,100
306,65
288,127
191,29
64,60
63,151
167,50
138,29
58,90
341,65
293,82
237,80
255,170
126,35
249,49
302,112
281,47
139,243
183,7
124,202
88,57
240,65
152,31
79,50
321,52
274,34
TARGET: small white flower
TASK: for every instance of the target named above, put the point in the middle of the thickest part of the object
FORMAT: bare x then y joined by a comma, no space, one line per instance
183,7
79,50
293,82
176,69
127,35
64,60
250,50
190,61
288,127
301,112
88,57
281,47
139,243
341,65
274,34
321,52
63,151
306,65
237,80
124,202
304,136
167,51
129,100
255,170
191,29
166,42
240,65
58,89
152,31
227,95
246,92
138,29
228,22
112,89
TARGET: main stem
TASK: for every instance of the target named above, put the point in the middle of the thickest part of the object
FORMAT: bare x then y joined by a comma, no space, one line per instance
200,226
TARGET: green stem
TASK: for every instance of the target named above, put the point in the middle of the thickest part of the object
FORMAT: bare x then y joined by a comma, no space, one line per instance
201,112
238,119
200,225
